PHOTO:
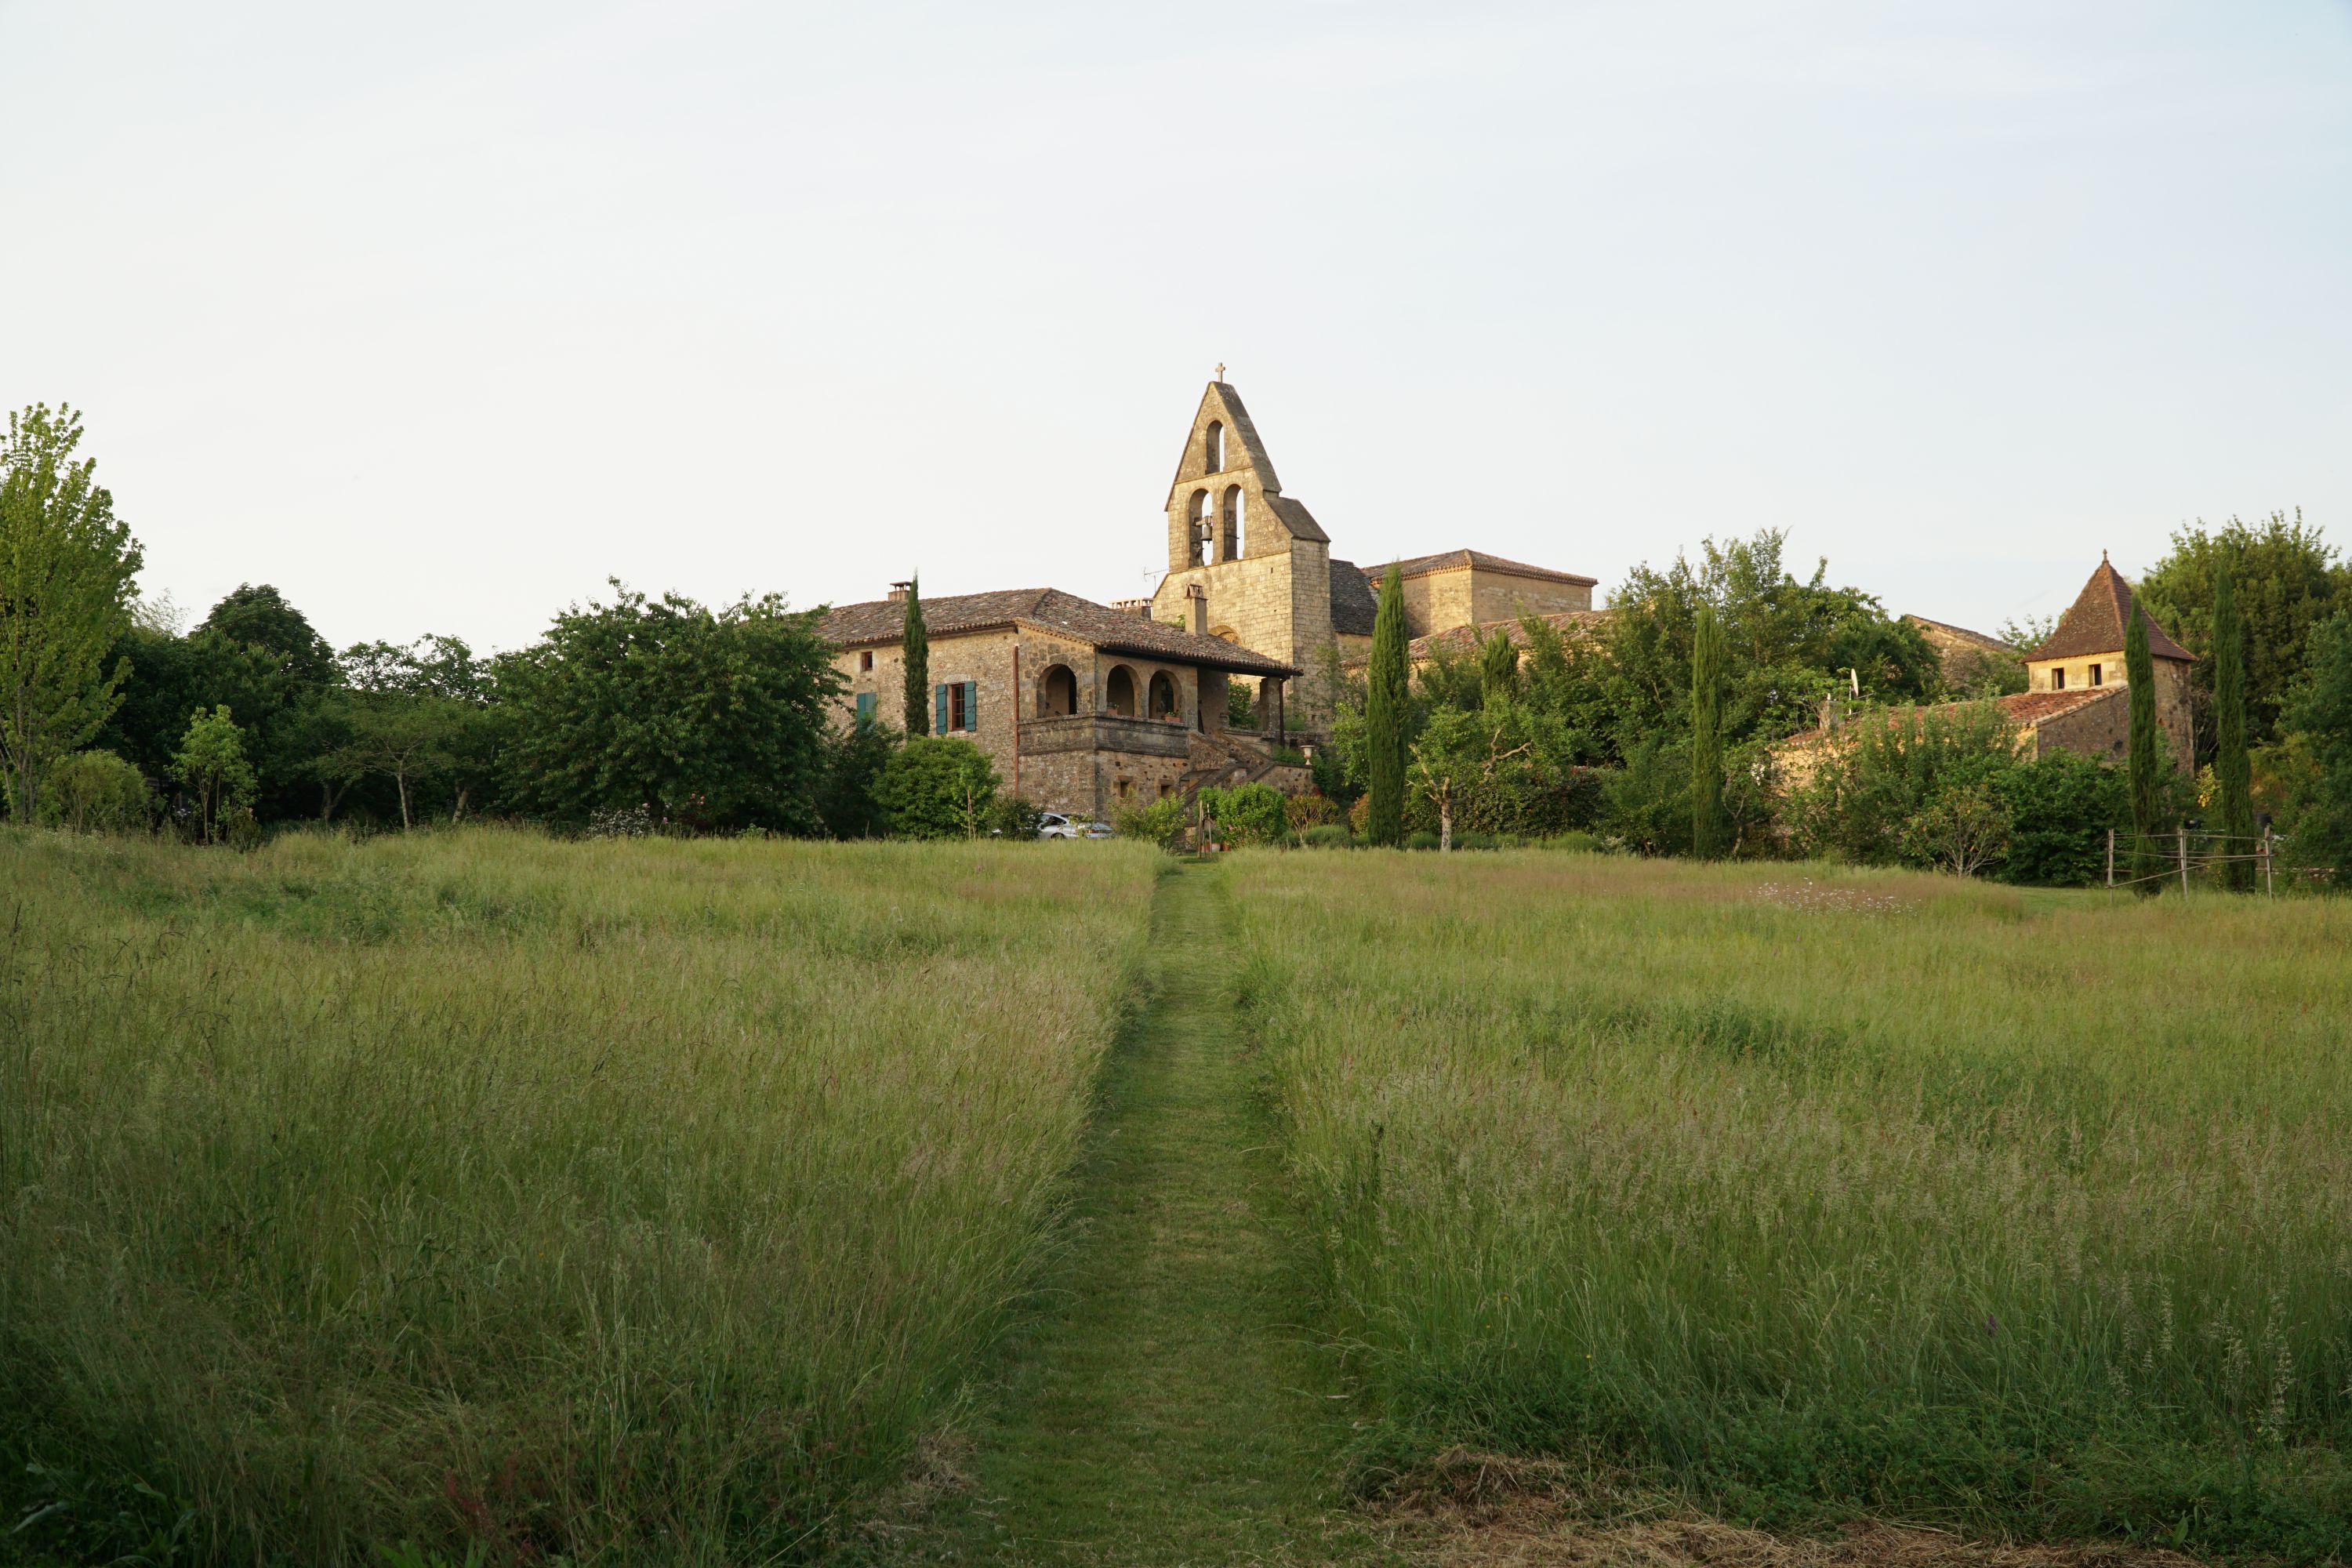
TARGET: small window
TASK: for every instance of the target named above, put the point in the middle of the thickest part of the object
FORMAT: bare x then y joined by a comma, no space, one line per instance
1214,445
2097,673
955,705
866,661
2058,680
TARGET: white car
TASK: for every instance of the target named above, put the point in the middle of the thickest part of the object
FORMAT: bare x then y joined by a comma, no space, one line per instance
1054,825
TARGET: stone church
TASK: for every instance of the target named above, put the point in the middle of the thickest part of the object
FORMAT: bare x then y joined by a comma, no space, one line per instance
1260,571
1085,707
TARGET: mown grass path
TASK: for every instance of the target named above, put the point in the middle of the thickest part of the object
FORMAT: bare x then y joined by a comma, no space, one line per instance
1170,1407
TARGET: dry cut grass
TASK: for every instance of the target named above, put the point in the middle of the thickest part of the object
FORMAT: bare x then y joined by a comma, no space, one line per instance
632,1202
1805,1196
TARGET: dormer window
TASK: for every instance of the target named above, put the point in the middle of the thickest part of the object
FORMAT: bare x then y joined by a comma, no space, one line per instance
2097,671
2058,679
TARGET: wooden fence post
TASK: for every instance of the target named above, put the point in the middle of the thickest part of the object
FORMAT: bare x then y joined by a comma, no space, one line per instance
2184,860
2111,859
2269,886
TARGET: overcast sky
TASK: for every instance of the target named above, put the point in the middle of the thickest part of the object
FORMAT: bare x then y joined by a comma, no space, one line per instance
438,315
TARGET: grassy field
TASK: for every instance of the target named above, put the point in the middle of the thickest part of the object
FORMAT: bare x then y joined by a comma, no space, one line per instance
1806,1194
619,1200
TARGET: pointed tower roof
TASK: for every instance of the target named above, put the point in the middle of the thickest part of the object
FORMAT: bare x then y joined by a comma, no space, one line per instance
2095,622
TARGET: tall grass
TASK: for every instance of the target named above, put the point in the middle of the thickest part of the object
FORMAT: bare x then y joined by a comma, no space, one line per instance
635,1201
1808,1193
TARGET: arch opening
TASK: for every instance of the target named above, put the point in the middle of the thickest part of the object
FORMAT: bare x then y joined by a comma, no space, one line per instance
1196,531
1119,691
1163,696
1212,447
1057,692
1229,523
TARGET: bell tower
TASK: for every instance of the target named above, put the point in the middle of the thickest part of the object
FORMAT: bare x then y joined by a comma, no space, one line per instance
1258,558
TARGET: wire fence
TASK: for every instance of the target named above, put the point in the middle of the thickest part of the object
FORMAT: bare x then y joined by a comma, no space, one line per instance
2189,854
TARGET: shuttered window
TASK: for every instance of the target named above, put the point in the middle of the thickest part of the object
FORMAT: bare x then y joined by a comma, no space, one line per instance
866,707
955,705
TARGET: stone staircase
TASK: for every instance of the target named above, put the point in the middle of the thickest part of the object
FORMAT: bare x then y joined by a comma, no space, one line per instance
1226,760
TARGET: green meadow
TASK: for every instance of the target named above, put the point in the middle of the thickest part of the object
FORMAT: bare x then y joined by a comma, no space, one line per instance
611,1202
1805,1195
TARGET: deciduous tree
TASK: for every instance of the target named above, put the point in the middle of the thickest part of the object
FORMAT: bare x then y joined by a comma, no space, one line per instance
211,762
67,566
2286,579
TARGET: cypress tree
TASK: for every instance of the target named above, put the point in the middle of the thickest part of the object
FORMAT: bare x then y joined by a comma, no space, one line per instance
2230,768
1498,671
1707,736
2139,672
1384,702
917,646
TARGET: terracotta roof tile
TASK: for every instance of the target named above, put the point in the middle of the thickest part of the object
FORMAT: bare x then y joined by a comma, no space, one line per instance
1451,559
2095,622
1464,640
1098,626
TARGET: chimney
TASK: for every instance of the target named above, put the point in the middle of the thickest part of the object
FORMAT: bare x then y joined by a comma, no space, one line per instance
1133,607
1196,609
899,591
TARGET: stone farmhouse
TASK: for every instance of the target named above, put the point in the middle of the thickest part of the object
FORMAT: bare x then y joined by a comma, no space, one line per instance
2076,697
1084,707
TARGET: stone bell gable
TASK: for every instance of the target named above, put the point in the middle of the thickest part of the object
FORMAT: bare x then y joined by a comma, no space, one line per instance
1251,561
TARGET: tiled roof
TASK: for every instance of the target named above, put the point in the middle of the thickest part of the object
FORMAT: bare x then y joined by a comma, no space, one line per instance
2034,707
2095,622
1465,641
1353,603
1962,634
1296,517
1098,626
1449,559
2024,709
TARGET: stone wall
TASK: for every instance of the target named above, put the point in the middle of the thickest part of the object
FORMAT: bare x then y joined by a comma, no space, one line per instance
1502,597
2175,714
1279,605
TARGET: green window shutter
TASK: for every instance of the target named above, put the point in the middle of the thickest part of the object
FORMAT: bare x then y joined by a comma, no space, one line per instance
866,707
940,709
971,704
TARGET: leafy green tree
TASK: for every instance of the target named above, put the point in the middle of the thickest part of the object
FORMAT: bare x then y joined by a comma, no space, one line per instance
2146,788
2061,809
915,641
2231,769
1245,813
1448,679
415,715
260,617
1647,802
2286,579
67,566
96,791
1961,830
937,787
2319,719
1786,642
211,762
1499,669
1705,735
1887,769
1458,756
854,760
1384,717
713,719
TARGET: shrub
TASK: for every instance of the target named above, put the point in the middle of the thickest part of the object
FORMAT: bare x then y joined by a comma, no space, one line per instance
1328,835
1161,823
1247,813
1571,844
2060,808
937,787
1360,814
1305,811
1421,841
1962,830
96,791
1476,841
1014,818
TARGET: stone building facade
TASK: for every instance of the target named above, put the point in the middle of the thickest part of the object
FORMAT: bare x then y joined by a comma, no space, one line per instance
1263,566
1082,707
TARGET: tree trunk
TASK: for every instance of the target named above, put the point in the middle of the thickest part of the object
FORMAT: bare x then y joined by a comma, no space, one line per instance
1445,824
401,778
